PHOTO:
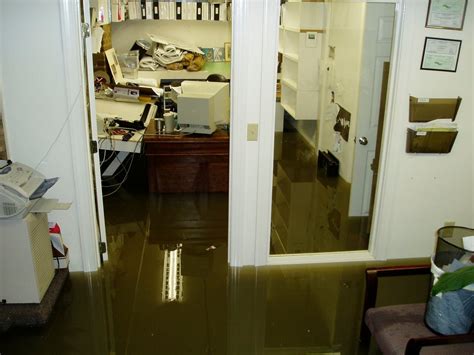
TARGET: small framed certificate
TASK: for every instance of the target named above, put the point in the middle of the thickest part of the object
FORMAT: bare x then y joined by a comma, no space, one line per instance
446,14
441,54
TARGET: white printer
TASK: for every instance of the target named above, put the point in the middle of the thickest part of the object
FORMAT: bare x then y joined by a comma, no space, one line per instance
26,270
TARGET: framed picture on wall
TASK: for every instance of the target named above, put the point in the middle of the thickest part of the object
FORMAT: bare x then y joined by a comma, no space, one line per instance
441,54
446,14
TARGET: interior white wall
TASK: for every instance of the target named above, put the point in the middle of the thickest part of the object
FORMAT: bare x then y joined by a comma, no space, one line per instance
44,110
422,191
200,33
345,33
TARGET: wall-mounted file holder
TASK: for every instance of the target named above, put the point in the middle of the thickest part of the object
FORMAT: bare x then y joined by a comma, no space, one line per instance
425,136
430,141
428,109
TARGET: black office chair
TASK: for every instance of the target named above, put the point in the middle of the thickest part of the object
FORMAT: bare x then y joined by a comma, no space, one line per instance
218,78
400,329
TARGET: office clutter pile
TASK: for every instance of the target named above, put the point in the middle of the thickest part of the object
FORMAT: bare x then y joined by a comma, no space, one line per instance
171,55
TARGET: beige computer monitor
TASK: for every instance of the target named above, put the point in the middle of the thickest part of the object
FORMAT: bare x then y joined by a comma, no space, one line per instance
202,105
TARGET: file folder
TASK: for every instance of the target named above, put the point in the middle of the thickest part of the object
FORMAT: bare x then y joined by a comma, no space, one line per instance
430,142
429,109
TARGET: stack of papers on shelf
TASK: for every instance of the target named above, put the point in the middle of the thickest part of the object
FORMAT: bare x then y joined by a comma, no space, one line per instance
439,125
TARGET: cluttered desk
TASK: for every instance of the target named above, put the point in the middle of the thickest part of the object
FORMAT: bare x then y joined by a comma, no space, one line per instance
180,125
121,127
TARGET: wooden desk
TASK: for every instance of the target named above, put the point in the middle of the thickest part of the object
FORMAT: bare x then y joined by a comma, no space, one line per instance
187,163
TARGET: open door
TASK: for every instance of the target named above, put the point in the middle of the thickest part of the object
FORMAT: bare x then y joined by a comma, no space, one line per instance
88,75
376,52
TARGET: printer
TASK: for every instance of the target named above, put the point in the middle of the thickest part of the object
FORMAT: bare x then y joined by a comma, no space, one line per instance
20,188
25,246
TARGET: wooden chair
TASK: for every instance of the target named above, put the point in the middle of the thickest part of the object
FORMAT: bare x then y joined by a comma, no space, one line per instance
400,329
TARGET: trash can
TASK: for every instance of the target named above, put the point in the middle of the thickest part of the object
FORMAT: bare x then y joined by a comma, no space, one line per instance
450,308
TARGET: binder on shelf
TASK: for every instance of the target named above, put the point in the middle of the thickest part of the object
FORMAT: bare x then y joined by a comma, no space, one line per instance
164,10
115,10
199,6
143,9
172,9
189,10
215,12
223,12
430,141
131,10
179,10
156,10
206,11
429,109
135,9
149,10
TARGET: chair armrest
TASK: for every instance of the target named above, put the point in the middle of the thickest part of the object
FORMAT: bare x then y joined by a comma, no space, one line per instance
414,345
371,285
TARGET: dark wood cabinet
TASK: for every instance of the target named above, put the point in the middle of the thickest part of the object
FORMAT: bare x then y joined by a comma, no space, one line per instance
187,163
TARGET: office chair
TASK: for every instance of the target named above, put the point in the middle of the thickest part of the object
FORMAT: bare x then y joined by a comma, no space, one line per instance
219,78
400,329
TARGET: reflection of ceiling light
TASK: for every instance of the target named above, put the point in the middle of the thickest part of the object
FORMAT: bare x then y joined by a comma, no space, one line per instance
172,279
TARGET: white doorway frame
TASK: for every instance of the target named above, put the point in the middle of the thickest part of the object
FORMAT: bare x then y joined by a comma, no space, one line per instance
254,61
255,31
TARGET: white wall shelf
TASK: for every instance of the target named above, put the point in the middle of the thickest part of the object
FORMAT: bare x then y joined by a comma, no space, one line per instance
290,83
292,57
301,33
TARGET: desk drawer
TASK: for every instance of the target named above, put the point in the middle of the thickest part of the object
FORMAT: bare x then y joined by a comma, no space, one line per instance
186,148
188,174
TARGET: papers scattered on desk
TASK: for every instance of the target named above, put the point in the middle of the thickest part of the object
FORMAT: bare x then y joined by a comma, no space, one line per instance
175,42
440,125
158,91
145,82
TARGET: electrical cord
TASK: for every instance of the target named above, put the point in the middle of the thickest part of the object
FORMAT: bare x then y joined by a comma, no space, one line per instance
112,145
119,185
68,117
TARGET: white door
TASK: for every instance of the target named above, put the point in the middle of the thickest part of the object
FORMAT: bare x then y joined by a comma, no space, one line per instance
88,73
376,51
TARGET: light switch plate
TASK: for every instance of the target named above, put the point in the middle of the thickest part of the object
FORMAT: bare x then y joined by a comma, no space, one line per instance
252,132
311,40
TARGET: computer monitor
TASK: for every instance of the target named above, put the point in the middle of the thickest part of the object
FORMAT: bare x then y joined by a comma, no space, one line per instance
202,105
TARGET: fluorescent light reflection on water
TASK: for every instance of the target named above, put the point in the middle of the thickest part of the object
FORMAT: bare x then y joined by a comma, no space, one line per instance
172,279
